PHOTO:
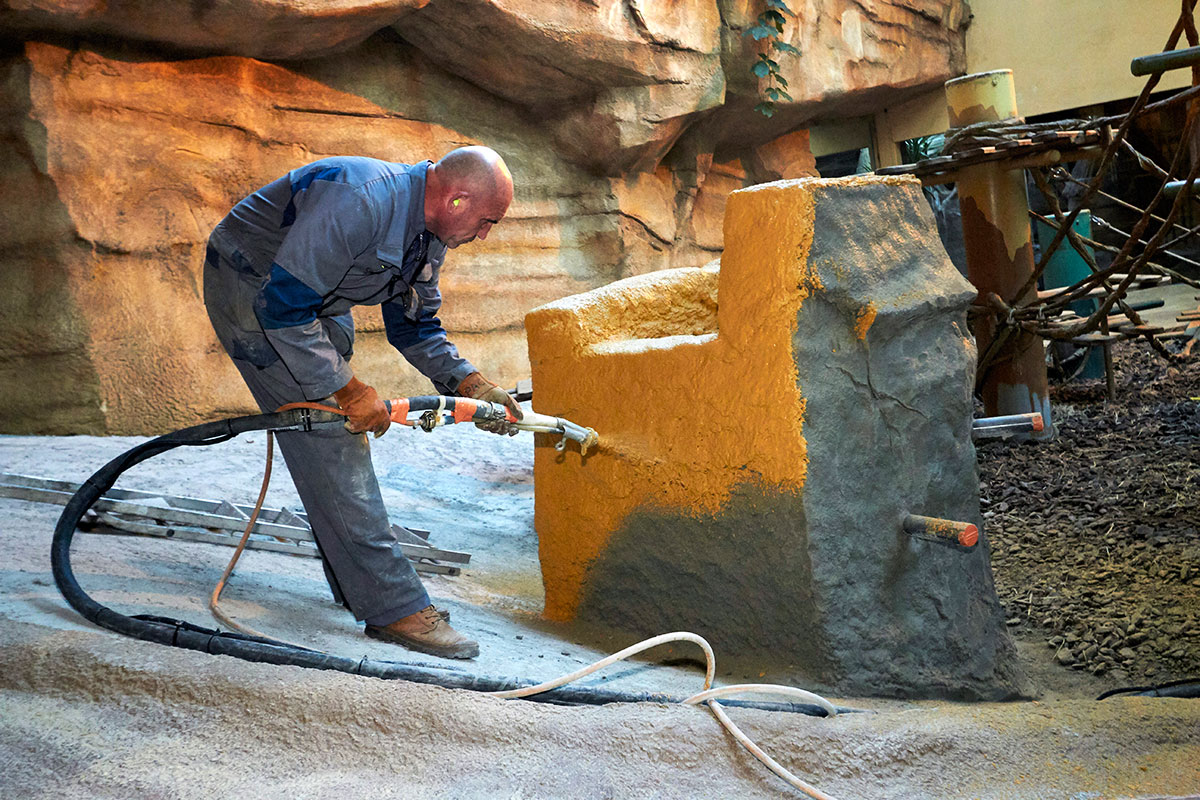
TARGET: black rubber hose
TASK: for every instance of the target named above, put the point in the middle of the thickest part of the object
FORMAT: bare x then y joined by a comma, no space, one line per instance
178,633
1188,687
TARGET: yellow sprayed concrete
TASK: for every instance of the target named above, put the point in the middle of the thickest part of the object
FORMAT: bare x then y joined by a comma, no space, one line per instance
688,404
866,318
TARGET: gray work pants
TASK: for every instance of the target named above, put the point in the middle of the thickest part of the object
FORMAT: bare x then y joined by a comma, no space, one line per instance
331,468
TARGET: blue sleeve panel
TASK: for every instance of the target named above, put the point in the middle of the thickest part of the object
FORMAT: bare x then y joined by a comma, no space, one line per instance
285,301
422,340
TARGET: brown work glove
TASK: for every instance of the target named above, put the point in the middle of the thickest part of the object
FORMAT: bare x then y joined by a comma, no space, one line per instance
364,410
478,387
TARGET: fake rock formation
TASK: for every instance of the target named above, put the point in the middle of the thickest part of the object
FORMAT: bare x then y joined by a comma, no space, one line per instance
777,420
133,127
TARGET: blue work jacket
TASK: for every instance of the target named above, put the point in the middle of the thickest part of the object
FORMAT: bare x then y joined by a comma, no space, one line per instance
336,233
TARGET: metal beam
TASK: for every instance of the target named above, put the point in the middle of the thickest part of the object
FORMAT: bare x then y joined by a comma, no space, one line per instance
1165,62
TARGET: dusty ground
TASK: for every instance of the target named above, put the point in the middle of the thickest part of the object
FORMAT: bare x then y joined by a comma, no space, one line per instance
93,716
85,713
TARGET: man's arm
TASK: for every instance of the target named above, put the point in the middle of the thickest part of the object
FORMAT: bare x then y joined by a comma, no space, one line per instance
419,336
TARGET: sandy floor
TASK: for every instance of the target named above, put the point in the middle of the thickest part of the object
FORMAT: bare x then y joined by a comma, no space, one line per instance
86,713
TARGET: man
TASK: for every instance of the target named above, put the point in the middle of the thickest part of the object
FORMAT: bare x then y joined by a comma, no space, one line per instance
282,271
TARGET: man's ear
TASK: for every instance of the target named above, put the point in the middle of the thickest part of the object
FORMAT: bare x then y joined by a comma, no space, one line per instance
458,199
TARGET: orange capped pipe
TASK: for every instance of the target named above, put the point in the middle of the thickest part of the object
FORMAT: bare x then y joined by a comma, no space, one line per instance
1009,423
945,531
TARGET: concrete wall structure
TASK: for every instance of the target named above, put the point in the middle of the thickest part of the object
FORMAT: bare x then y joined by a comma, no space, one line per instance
1070,53
765,426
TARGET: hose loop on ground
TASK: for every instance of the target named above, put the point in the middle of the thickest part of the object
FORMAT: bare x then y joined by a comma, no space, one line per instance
259,648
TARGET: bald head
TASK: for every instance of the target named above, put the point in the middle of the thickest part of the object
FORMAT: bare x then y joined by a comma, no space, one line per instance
466,193
476,169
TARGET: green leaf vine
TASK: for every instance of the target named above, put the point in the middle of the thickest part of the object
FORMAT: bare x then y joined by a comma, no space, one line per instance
769,26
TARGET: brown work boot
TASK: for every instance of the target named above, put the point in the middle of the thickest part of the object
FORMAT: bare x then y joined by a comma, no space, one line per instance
426,631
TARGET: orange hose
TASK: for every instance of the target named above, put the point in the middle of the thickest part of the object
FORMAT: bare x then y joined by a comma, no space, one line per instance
215,598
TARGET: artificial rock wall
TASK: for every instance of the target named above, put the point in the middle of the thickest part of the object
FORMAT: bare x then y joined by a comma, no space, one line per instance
778,417
134,126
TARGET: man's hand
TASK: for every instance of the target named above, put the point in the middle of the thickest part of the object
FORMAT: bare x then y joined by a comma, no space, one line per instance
478,387
364,410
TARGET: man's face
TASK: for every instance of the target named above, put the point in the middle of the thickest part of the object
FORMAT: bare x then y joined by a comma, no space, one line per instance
469,219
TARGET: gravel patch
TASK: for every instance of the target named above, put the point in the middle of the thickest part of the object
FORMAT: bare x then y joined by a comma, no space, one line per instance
1095,536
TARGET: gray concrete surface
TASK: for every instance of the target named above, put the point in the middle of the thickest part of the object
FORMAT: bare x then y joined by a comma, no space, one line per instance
887,421
824,580
85,713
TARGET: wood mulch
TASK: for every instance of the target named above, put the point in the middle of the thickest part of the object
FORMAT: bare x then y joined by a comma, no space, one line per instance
1095,536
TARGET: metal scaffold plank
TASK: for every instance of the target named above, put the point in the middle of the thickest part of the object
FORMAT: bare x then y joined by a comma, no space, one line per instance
216,522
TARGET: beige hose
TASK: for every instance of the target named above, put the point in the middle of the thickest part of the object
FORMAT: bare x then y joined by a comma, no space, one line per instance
708,697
